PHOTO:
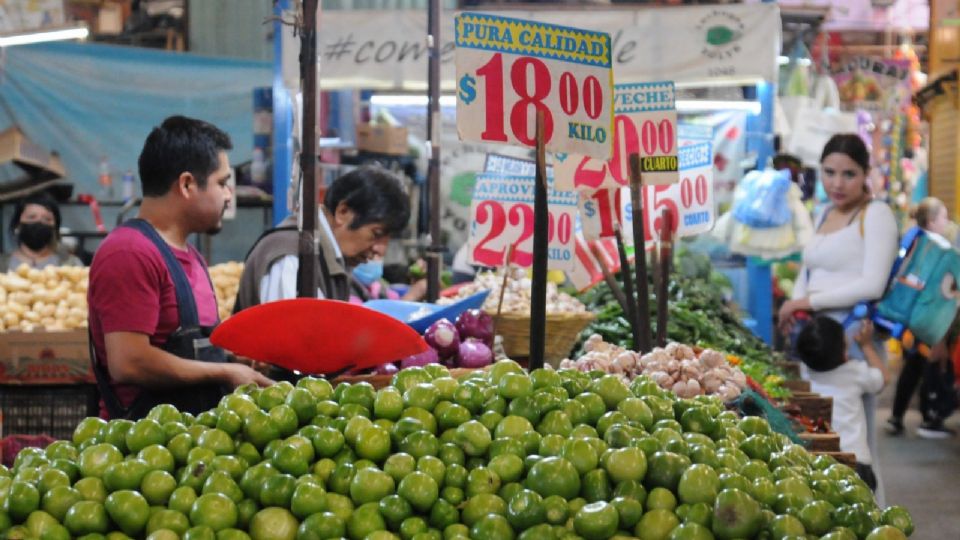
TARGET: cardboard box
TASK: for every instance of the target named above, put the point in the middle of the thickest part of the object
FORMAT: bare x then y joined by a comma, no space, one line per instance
110,18
382,139
45,358
16,147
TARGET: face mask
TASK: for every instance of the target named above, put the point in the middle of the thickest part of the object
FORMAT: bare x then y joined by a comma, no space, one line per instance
368,272
35,235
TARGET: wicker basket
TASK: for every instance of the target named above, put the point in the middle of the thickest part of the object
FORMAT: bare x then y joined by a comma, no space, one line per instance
562,333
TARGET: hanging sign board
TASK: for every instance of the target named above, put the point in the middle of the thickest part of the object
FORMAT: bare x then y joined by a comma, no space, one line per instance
691,201
508,69
586,270
645,124
501,215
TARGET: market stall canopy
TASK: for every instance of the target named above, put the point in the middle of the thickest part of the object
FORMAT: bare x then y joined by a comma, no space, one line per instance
90,101
25,167
387,49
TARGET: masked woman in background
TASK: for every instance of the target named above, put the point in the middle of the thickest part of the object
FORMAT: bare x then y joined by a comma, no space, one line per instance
36,227
367,283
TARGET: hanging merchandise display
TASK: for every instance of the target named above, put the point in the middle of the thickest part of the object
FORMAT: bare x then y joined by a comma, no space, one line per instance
768,220
873,84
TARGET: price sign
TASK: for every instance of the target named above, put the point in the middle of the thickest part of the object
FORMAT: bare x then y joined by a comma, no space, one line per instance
502,215
645,124
587,271
691,201
508,69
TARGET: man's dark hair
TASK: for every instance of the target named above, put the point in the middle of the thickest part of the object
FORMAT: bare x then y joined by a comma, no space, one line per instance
374,194
821,344
180,145
41,199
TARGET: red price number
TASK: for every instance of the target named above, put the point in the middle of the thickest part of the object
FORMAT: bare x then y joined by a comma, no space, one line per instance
651,138
531,80
690,192
520,217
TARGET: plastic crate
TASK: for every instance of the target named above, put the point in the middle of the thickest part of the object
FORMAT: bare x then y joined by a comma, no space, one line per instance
46,410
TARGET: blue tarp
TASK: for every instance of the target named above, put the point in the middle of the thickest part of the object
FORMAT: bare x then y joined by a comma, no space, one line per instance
89,101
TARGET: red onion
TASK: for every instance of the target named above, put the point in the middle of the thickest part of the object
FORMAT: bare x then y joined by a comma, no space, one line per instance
476,323
443,336
428,356
475,354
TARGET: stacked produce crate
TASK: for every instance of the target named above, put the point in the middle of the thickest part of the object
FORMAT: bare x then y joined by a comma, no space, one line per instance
46,383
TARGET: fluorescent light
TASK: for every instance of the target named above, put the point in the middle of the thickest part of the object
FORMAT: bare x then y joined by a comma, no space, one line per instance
701,105
39,36
784,60
411,100
718,82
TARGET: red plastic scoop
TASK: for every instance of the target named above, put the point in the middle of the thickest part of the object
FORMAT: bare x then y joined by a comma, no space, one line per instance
317,336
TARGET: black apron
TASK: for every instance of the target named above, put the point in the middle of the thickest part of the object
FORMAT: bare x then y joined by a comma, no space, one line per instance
189,340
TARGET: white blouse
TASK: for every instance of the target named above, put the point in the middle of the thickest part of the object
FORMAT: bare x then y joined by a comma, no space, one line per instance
845,267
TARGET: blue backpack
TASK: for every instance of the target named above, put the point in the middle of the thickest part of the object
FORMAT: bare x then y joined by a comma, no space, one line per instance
922,294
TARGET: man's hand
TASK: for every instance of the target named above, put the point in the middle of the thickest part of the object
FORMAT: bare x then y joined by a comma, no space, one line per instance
865,333
262,367
236,375
416,292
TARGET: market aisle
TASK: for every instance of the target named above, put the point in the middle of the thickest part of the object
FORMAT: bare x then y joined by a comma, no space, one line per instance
924,476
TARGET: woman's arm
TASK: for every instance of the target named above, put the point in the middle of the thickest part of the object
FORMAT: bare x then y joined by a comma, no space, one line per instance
864,338
880,251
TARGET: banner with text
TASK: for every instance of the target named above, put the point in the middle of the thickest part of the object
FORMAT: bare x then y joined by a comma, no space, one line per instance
645,124
501,215
509,69
386,49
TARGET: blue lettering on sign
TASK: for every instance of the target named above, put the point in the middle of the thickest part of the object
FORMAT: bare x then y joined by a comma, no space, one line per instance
586,132
588,209
509,188
697,218
694,155
559,254
644,97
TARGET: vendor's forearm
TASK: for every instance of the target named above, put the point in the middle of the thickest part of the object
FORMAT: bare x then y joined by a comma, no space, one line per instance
146,365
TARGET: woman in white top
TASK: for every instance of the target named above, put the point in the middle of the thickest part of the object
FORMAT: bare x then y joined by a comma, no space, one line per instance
848,260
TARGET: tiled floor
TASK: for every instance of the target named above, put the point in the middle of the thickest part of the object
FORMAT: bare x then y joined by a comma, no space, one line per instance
922,475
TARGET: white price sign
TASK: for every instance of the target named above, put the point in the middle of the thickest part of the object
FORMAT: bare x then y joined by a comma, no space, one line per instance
645,124
690,201
502,215
508,69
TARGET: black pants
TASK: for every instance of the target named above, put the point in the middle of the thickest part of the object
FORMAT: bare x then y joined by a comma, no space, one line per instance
914,368
865,472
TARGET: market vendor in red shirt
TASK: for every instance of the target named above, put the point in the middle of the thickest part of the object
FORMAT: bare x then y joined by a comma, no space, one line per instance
151,303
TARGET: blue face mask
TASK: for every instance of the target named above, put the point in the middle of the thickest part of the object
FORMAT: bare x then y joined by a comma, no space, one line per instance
368,272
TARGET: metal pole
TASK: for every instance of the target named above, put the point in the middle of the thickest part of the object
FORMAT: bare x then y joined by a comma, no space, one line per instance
436,249
538,293
663,283
307,272
640,257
